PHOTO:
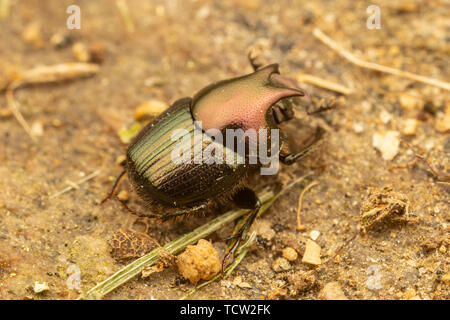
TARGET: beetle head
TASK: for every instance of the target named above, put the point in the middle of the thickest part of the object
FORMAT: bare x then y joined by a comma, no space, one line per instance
244,101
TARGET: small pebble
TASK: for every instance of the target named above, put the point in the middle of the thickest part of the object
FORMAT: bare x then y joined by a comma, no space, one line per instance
332,291
314,234
40,287
366,106
442,123
281,264
237,281
312,253
446,278
241,284
245,285
60,41
410,294
32,35
37,129
56,123
154,81
408,126
358,127
80,52
277,293
96,53
149,109
408,102
385,116
120,159
5,113
387,143
290,254
123,195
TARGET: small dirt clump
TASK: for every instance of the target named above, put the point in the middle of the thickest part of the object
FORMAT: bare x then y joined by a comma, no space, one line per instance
199,262
383,204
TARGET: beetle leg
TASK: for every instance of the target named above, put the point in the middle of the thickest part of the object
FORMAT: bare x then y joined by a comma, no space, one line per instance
114,186
184,212
245,199
283,111
277,115
288,158
253,61
140,215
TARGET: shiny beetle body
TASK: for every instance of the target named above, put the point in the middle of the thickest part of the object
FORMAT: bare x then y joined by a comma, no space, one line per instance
158,179
260,100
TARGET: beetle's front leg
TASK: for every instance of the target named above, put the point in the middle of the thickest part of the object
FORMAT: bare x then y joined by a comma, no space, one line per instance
253,59
114,186
245,199
283,111
289,158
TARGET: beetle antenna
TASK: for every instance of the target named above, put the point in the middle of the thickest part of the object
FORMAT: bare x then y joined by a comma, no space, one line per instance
114,186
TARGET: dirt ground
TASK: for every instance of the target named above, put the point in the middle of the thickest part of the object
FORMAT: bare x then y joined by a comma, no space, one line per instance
178,47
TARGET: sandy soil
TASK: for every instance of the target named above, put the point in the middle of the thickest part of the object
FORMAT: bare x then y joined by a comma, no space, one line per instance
178,47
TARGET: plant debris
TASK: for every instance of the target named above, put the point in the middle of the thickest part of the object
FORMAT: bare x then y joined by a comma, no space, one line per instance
165,259
383,204
128,244
301,227
374,66
44,74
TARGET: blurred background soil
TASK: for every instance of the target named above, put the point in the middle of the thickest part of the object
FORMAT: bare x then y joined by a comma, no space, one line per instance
171,49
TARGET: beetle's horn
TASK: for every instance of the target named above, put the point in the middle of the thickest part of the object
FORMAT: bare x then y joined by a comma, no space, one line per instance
278,80
244,100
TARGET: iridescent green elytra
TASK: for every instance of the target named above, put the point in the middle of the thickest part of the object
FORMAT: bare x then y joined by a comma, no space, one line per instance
156,177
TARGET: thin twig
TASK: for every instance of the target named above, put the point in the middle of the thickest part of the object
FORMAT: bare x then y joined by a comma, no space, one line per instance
74,185
45,74
374,66
404,166
15,111
300,227
421,157
307,78
122,6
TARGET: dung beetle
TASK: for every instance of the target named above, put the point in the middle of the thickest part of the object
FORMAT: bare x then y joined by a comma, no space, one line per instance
259,100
